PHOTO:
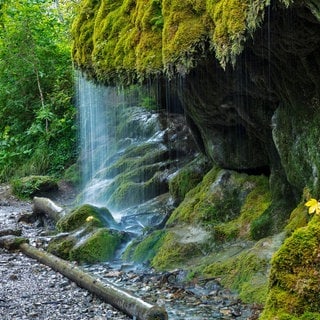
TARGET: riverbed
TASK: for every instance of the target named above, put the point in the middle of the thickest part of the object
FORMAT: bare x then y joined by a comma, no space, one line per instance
30,290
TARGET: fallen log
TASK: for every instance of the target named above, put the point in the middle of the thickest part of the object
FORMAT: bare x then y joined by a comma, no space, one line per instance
47,207
120,299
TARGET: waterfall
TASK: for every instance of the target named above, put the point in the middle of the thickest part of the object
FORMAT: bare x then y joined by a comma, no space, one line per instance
96,105
129,151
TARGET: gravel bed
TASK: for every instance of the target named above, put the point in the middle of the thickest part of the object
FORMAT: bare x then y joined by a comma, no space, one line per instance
30,290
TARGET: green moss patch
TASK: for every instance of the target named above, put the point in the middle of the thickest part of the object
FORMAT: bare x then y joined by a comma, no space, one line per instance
294,279
97,247
225,203
86,215
126,41
61,246
187,178
145,250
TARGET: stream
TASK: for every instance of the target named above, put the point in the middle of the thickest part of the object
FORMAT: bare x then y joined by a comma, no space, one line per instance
30,290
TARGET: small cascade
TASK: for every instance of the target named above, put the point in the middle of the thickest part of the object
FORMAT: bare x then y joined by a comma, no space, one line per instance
128,153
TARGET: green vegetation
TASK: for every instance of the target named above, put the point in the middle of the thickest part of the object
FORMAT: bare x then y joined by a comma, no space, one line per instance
27,187
187,178
37,129
99,246
92,235
144,251
294,279
84,215
126,41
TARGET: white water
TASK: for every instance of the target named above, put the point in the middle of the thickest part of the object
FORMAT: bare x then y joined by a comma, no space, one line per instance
97,112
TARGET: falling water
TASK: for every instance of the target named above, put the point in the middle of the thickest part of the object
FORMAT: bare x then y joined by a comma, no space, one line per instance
96,106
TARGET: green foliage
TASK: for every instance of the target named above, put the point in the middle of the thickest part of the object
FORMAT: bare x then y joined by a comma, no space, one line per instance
30,186
37,131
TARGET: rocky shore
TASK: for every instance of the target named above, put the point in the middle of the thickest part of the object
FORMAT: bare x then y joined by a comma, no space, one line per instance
30,290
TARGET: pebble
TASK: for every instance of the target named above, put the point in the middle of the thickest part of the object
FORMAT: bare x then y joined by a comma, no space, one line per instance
30,290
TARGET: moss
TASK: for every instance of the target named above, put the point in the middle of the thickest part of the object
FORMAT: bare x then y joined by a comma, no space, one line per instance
77,218
187,178
73,175
145,250
294,279
30,186
245,273
299,218
133,40
173,253
129,193
97,247
226,201
61,246
186,212
272,221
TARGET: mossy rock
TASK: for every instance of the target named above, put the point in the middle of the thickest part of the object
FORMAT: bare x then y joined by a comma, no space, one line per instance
243,266
179,247
99,246
72,175
126,41
84,215
224,201
61,246
187,178
272,220
30,186
145,250
131,193
294,278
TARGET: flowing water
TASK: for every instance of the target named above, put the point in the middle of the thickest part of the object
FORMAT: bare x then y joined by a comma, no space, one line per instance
128,151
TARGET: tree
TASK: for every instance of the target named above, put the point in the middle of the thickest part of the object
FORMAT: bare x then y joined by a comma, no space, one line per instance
37,132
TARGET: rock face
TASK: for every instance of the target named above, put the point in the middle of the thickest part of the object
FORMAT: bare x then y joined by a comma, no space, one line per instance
247,75
248,115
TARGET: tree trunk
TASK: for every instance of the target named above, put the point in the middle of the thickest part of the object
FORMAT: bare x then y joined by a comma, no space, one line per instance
48,208
120,299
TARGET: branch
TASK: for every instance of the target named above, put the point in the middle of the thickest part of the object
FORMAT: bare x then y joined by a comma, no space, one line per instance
120,299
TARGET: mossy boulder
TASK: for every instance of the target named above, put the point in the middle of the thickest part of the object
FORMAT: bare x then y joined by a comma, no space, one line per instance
294,280
94,245
61,246
30,186
90,234
222,200
86,215
98,246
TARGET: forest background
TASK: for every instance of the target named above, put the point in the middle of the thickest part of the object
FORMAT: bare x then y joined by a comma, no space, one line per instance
38,133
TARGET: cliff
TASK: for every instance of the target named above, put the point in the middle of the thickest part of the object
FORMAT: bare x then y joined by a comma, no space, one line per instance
247,74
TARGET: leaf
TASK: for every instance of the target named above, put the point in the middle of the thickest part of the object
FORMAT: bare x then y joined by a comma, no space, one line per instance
314,206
